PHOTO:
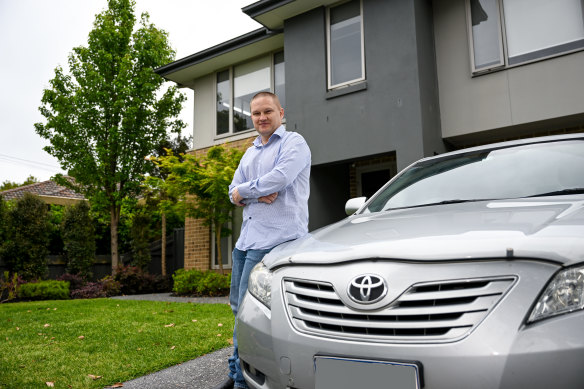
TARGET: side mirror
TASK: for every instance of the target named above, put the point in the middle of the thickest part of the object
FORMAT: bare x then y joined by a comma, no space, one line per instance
352,205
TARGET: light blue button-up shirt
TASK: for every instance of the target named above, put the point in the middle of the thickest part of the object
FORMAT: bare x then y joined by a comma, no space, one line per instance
282,165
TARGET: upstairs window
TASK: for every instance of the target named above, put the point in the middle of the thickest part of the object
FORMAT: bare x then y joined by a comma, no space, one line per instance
223,102
511,32
236,86
345,49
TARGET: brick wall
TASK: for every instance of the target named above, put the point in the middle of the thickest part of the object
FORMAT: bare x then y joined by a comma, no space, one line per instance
197,235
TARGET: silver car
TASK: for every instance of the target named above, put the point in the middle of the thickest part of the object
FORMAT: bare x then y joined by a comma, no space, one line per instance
465,271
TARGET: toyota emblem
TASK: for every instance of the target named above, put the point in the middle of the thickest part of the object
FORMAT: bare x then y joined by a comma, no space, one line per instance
367,289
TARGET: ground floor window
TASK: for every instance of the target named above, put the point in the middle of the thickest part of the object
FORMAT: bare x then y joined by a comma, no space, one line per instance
227,242
369,175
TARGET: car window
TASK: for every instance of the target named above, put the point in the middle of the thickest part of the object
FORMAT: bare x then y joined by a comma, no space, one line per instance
511,172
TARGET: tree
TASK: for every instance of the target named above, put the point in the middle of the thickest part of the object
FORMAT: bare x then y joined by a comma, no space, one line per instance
25,247
178,147
3,219
140,239
203,186
11,185
78,233
107,116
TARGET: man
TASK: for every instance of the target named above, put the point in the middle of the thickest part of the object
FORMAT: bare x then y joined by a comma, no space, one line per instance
272,184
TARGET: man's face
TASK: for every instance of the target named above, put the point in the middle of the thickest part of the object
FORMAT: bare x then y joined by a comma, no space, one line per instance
266,115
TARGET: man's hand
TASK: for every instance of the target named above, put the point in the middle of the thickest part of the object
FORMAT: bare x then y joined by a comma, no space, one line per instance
237,198
269,199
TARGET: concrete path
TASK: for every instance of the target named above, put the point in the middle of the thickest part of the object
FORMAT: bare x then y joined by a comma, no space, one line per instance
201,373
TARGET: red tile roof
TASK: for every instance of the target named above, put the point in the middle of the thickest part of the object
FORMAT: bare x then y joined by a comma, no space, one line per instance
45,188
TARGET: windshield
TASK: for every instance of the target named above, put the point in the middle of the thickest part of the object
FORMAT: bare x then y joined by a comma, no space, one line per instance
512,172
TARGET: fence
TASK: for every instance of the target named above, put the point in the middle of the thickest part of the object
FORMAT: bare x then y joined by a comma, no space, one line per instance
102,266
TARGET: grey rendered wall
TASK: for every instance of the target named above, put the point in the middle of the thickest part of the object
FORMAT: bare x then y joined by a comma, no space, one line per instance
329,191
398,109
548,94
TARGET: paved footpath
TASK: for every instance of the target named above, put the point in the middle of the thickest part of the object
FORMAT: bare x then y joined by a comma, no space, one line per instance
201,373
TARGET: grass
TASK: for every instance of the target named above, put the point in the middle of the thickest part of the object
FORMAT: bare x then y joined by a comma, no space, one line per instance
69,343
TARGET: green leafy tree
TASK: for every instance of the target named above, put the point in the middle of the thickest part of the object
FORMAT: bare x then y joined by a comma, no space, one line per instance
203,186
104,118
140,239
11,185
25,247
158,194
3,217
56,213
78,233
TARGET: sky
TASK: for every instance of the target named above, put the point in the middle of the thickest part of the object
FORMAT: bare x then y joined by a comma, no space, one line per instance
36,36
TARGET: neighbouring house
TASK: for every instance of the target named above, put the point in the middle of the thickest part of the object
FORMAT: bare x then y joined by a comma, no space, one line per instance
48,191
374,85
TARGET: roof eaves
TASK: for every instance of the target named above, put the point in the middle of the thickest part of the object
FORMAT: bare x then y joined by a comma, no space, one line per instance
263,6
222,48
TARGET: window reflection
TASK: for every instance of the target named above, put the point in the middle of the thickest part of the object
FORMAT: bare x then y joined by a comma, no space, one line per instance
279,78
345,43
223,102
249,79
486,33
236,87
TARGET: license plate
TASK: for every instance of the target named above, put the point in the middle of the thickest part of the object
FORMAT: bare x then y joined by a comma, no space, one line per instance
334,372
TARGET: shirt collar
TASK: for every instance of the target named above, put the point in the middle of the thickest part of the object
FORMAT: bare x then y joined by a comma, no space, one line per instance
279,132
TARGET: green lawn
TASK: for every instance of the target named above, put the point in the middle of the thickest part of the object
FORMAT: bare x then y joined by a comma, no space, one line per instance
69,343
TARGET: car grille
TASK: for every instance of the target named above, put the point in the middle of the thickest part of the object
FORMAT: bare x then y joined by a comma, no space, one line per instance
435,311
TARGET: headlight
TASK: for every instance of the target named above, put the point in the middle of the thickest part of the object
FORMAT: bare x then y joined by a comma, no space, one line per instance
260,284
565,293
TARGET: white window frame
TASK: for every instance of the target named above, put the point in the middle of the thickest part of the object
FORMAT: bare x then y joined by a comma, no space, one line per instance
504,63
231,131
330,86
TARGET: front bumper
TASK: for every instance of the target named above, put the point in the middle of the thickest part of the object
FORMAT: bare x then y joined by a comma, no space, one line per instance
500,352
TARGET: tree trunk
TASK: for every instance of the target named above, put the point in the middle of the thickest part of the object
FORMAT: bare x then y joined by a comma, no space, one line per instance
218,243
163,254
114,221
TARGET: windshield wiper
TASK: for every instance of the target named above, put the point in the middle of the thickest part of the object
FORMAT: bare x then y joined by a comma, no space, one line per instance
561,192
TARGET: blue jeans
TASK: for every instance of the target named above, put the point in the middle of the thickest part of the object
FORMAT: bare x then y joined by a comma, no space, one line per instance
242,263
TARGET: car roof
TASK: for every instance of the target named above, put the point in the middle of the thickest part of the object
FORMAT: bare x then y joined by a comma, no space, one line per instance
501,145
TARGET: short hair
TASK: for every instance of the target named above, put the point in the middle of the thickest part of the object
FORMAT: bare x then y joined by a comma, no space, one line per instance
267,94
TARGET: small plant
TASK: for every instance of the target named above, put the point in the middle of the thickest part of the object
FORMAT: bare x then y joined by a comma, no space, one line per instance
44,290
198,283
9,286
106,287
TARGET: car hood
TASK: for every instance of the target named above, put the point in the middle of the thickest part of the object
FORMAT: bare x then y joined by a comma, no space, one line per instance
550,228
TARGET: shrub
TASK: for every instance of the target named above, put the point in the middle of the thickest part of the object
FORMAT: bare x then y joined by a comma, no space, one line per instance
110,286
9,286
78,232
90,290
25,247
135,281
75,281
44,290
198,283
106,287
